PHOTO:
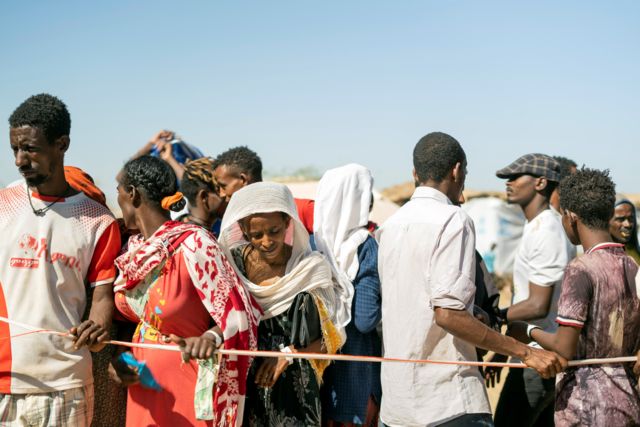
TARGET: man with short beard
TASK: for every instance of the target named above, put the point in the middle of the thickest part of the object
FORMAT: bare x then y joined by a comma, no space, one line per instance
57,243
624,228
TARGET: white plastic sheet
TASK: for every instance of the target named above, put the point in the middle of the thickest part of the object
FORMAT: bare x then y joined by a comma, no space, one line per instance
498,231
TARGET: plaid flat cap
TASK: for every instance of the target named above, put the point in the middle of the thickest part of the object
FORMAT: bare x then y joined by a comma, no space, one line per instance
533,164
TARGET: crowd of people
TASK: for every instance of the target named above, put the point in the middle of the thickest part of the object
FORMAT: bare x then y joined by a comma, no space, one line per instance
207,256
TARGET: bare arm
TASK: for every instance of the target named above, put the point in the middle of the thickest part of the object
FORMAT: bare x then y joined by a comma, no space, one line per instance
199,347
534,307
564,341
161,142
462,325
102,305
144,150
167,155
155,141
271,368
120,372
95,330
314,347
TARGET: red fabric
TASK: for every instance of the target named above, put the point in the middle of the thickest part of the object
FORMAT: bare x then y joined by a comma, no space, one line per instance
5,348
201,273
47,199
142,257
174,307
81,181
102,270
305,212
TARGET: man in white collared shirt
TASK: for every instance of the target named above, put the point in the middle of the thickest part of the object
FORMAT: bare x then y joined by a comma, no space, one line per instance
427,268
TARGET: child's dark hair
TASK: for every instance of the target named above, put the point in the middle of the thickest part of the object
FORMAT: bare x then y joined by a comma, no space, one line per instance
154,178
590,194
244,160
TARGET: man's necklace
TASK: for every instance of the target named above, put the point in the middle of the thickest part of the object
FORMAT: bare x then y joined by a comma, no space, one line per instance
42,211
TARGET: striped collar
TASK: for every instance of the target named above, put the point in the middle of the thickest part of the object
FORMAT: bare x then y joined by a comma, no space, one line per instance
604,245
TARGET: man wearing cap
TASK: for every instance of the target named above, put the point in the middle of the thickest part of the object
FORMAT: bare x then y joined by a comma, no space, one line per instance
541,258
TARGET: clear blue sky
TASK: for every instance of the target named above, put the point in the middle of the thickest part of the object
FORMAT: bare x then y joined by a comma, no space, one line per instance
325,83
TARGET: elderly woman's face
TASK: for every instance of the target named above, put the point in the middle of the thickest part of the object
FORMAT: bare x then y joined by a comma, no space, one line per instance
266,233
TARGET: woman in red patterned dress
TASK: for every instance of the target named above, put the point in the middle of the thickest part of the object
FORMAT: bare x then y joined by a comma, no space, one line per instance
177,285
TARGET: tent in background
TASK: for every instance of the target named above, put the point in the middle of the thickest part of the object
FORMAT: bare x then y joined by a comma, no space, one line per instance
498,225
498,231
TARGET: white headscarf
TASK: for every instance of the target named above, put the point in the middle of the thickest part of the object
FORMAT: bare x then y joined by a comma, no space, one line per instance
305,271
341,214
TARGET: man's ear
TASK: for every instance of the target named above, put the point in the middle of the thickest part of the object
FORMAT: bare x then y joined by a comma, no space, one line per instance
63,143
541,183
572,217
244,178
461,199
457,173
415,176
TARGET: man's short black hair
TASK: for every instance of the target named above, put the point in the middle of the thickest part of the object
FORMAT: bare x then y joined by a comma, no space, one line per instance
549,189
45,112
566,166
590,194
244,160
435,155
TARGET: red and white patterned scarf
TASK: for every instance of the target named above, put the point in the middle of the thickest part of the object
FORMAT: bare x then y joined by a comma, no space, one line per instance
222,294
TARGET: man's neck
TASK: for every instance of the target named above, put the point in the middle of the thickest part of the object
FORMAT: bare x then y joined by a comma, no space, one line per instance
590,237
55,187
442,186
535,207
